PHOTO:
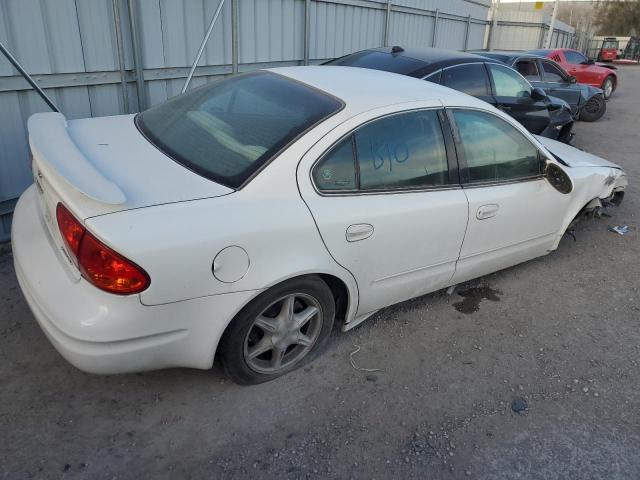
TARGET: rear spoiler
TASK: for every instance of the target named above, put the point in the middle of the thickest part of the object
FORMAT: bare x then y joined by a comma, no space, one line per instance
54,149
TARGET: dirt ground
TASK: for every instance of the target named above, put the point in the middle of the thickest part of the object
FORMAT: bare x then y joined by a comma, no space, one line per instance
560,335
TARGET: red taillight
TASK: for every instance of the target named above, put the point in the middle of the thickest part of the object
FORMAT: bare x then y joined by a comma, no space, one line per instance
72,231
100,265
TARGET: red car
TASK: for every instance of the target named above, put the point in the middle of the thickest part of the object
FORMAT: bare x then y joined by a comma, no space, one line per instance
585,70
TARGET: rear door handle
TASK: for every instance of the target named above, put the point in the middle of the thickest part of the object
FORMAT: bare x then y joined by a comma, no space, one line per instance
359,231
487,211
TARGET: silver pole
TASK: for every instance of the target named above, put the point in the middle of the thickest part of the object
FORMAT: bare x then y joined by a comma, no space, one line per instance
234,36
28,78
202,45
553,21
123,79
137,59
494,25
466,33
387,20
307,32
434,36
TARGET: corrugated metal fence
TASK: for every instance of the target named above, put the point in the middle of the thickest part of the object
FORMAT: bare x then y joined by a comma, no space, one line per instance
71,48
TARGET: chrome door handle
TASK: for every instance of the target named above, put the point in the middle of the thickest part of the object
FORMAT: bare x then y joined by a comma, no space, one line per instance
487,211
359,231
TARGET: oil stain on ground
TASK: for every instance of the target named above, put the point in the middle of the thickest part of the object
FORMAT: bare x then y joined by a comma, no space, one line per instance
473,296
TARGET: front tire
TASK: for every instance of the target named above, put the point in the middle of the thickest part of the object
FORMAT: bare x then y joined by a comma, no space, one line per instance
594,109
608,86
279,331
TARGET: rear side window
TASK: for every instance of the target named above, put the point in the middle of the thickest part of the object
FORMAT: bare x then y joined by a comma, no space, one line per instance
470,79
574,57
228,130
552,73
508,83
337,171
404,151
493,149
528,69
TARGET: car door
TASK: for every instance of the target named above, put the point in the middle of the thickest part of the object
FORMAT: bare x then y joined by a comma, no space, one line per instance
556,83
384,193
513,96
469,78
514,213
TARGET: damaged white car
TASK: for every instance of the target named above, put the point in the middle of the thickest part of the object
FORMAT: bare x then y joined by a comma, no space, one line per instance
247,217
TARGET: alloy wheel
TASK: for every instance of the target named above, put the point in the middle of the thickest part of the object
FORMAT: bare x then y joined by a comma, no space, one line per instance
283,333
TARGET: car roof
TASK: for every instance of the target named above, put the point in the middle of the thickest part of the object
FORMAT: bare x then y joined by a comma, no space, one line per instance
504,55
362,89
427,55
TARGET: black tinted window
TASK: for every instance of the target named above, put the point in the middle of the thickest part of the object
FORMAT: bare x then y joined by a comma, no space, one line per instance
493,149
574,57
379,61
471,79
228,129
336,171
552,73
528,69
402,151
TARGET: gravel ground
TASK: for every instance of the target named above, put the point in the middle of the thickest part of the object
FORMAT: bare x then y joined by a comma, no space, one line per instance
539,381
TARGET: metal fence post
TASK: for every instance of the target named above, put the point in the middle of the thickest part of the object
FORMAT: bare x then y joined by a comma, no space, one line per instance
434,37
120,47
137,59
307,26
466,33
234,36
387,20
543,29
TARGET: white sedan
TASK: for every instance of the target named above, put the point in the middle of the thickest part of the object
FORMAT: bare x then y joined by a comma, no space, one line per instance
248,216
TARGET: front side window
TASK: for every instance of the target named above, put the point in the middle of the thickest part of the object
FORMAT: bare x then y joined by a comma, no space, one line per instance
508,83
470,79
493,149
404,151
552,73
528,69
574,57
228,130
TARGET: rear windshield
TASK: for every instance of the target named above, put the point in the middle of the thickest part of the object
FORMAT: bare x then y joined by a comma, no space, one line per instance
379,61
229,129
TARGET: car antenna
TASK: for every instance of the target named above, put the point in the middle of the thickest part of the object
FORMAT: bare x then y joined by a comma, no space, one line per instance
396,49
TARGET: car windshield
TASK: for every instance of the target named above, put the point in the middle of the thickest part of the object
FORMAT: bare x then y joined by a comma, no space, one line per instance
387,62
228,130
610,44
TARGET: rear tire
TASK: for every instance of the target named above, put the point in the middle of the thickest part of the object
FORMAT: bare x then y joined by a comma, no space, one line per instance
608,87
279,331
594,109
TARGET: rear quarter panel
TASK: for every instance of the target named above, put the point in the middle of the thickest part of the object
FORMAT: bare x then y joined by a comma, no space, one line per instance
177,243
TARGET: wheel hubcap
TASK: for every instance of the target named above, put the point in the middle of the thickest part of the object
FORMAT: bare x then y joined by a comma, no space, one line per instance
608,87
283,333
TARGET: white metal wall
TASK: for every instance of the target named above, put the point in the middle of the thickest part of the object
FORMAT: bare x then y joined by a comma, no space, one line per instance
70,48
528,30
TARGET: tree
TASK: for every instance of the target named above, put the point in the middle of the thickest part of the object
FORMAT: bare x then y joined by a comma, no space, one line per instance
618,18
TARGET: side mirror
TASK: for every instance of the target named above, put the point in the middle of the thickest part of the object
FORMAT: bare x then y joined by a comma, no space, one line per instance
538,94
572,79
557,177
589,61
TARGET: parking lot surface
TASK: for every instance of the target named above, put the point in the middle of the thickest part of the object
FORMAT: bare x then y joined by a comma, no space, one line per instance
533,372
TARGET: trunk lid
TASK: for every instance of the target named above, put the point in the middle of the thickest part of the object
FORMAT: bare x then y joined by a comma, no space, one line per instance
103,165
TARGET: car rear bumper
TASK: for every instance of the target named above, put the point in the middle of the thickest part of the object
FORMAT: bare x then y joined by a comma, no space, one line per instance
103,333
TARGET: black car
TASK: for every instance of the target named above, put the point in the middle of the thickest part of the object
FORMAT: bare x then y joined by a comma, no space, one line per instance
587,102
484,78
